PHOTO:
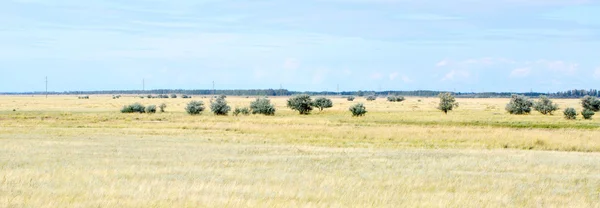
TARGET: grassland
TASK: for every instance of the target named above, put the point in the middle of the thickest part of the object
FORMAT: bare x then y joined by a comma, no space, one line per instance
63,151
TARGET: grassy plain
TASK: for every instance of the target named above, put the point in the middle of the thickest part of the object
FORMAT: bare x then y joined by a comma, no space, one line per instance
63,151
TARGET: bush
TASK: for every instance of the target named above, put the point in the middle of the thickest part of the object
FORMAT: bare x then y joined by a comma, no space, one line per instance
570,113
173,96
358,110
590,103
219,106
186,96
301,103
149,96
519,105
262,106
447,102
133,108
371,98
545,106
244,111
395,98
587,114
116,96
194,107
322,103
151,109
162,107
351,98
84,97
162,96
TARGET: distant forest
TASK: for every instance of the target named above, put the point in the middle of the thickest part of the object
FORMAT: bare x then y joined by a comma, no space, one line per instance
284,92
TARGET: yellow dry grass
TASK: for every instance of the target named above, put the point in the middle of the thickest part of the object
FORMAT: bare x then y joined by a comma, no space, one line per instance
63,151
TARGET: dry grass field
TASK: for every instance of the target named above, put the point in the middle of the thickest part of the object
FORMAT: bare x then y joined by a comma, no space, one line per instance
67,152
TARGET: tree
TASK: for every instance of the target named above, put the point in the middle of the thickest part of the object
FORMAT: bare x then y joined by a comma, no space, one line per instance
447,102
134,108
219,106
590,103
587,114
322,103
358,110
371,98
151,109
162,107
194,107
570,113
395,98
350,98
262,106
301,103
519,105
545,106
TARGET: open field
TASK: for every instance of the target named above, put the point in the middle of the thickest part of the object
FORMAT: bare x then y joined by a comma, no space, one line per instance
63,151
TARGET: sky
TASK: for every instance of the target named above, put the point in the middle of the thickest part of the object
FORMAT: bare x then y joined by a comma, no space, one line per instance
308,45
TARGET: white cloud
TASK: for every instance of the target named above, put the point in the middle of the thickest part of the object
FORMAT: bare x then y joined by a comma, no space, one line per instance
394,75
291,64
558,66
456,74
442,63
376,76
520,72
406,79
597,73
319,75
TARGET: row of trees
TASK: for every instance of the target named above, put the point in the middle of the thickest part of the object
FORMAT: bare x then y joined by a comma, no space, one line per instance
520,105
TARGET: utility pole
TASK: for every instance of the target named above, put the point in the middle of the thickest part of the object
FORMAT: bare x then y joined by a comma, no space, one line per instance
338,89
143,84
214,91
46,87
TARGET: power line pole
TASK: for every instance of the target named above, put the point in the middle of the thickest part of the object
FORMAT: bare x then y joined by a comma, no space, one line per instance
143,84
214,91
46,87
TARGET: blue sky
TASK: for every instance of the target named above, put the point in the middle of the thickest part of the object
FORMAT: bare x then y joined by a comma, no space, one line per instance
463,45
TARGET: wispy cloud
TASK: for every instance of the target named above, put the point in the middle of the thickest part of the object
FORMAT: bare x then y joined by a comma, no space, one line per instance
520,72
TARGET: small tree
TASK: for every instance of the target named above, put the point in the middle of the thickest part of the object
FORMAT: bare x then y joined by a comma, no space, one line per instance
590,103
301,103
519,105
162,107
194,107
151,109
395,98
173,96
358,110
350,98
262,106
134,108
545,106
243,111
587,114
570,113
447,102
322,103
219,106
371,98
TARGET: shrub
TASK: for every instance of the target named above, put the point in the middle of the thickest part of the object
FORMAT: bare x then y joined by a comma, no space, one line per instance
244,111
351,98
163,96
301,103
149,96
219,106
447,102
84,97
116,96
322,103
173,96
570,113
395,98
587,114
151,109
262,106
358,110
186,96
371,98
162,107
590,103
545,106
133,108
519,105
194,107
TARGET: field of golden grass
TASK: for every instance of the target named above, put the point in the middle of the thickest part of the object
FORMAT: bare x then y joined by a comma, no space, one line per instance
63,151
